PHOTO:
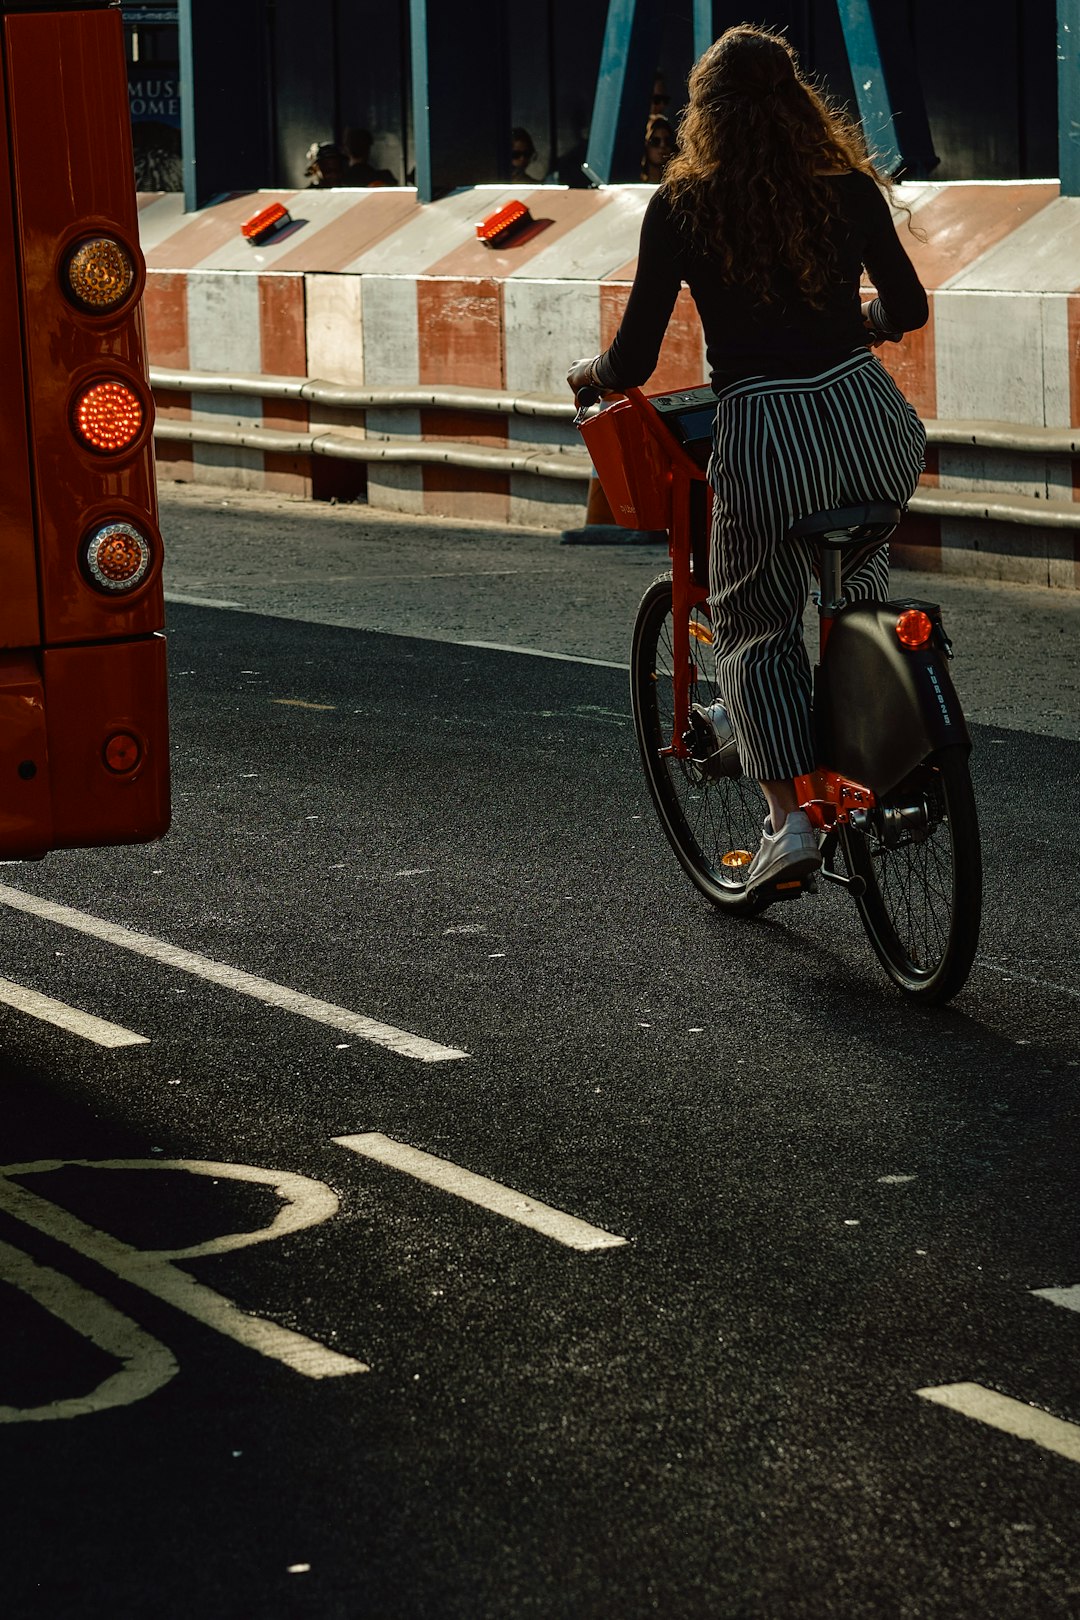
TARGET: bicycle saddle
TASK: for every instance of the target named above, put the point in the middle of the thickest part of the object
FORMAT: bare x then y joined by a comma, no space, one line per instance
872,521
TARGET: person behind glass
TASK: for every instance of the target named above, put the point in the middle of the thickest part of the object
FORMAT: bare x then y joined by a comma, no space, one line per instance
769,211
326,166
659,150
359,170
522,152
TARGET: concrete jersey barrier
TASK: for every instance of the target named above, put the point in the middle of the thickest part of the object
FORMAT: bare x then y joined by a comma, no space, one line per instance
369,289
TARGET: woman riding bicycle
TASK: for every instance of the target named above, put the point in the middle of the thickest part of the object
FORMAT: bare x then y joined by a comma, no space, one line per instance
769,211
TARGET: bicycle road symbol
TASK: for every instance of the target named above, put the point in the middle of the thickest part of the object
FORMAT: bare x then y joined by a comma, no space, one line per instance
145,1363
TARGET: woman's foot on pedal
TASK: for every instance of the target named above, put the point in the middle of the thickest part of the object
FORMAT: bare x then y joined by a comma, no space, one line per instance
786,857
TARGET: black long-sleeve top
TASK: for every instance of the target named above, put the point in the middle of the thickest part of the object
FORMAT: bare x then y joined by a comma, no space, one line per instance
745,337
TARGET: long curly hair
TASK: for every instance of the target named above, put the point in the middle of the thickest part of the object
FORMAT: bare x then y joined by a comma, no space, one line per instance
749,177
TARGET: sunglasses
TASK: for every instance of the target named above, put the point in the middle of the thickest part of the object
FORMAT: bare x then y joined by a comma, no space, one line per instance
658,140
518,152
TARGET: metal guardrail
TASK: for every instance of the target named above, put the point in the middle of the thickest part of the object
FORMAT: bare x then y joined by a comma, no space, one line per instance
556,461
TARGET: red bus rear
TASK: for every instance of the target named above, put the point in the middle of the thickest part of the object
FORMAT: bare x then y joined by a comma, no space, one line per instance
83,710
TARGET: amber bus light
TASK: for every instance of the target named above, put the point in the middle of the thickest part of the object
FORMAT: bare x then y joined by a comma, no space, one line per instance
117,557
109,416
99,275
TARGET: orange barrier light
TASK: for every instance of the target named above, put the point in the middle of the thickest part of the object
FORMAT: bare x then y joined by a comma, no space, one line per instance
499,226
914,628
265,223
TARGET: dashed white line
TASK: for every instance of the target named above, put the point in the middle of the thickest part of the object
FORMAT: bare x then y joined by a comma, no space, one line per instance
492,1195
62,1016
1068,1297
1012,1417
230,978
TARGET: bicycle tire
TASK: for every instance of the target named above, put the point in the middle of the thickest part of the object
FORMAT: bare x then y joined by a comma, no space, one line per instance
703,818
922,902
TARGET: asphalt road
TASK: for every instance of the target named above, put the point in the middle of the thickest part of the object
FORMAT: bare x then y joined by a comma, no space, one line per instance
392,850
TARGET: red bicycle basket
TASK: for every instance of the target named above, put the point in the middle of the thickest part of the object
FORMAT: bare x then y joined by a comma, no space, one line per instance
631,466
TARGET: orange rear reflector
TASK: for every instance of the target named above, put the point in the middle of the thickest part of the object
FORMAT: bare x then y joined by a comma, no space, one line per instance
914,628
100,274
109,416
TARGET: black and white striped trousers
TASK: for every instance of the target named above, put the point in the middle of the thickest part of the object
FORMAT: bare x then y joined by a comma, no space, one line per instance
783,448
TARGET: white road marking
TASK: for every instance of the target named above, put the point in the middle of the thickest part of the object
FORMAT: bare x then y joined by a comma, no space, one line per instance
1012,1417
69,1018
147,1364
307,1203
199,601
553,1223
1028,978
245,984
1069,1297
538,652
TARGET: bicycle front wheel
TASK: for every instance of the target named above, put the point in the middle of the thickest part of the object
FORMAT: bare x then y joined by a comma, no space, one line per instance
713,822
917,854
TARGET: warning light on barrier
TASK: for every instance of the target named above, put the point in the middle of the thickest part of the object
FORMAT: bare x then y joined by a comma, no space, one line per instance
266,223
499,227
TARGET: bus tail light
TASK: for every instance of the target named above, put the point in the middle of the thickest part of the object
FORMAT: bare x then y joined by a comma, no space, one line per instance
99,275
117,557
109,416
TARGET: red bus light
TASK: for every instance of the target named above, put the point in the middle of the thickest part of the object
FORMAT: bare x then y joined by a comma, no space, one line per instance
109,416
117,557
99,275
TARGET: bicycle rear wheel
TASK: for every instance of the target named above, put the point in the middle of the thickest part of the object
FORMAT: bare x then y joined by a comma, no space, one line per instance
706,817
919,858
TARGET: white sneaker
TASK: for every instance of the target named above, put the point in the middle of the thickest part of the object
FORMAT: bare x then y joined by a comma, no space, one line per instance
786,856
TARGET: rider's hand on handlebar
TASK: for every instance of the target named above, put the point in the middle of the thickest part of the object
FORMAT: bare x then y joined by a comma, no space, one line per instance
582,374
873,337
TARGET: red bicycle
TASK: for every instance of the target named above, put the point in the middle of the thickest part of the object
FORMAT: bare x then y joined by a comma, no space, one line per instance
891,800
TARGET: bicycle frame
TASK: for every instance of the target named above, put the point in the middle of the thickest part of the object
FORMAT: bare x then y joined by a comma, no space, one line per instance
627,466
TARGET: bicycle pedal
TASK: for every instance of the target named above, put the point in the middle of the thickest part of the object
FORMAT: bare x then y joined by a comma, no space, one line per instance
787,889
